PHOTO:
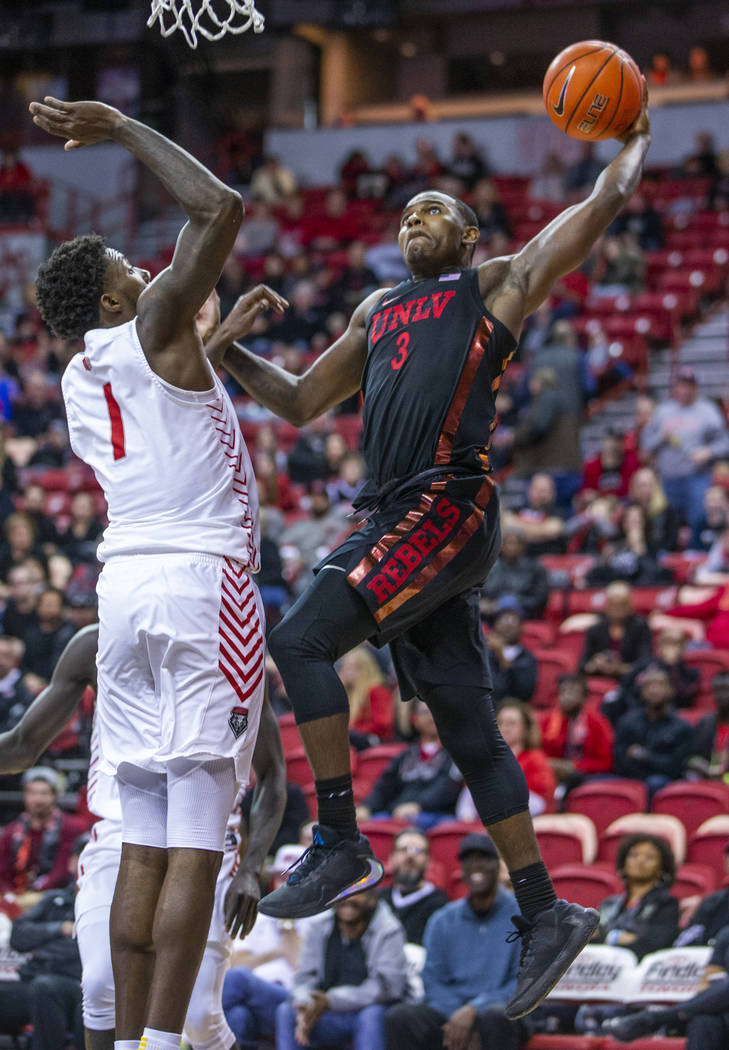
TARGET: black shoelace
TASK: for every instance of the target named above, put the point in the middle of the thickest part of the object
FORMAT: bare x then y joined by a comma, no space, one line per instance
523,930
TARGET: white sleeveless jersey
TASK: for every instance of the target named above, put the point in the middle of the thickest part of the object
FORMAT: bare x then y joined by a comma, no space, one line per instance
172,463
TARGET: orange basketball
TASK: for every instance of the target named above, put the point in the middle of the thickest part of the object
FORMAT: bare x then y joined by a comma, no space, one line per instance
593,90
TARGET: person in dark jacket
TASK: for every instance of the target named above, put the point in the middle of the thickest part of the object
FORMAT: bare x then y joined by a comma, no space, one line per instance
421,784
645,917
547,437
513,668
516,575
710,748
711,916
48,994
652,743
411,897
620,638
670,653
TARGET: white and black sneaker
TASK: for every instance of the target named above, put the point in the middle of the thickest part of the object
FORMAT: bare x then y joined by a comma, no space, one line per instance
550,943
331,869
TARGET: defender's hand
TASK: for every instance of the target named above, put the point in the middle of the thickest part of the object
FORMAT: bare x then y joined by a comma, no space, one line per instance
241,318
207,318
241,904
642,124
80,123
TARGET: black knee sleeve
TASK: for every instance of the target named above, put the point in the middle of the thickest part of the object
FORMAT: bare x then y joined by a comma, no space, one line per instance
469,733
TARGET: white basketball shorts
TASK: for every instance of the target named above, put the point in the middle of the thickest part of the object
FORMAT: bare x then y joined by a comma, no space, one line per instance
180,661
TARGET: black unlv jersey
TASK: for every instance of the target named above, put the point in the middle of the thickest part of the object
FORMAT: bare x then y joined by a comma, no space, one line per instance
435,357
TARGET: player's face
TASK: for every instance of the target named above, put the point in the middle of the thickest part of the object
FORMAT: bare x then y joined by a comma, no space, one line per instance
124,280
431,234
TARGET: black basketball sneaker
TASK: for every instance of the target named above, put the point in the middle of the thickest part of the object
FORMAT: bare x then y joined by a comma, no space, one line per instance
331,869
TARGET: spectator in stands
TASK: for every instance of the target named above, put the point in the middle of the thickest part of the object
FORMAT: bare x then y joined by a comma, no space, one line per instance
35,849
711,916
710,748
48,993
352,966
630,555
652,743
642,221
609,472
517,575
272,182
619,639
580,177
661,70
715,568
670,653
470,967
421,784
513,668
354,165
717,199
306,541
561,353
336,225
394,186
349,480
577,740
82,535
14,696
491,212
260,233
712,614
548,185
706,1014
699,66
411,897
686,435
467,163
620,266
355,281
541,524
662,519
20,544
34,503
714,520
34,412
45,642
645,917
19,613
370,701
17,200
520,731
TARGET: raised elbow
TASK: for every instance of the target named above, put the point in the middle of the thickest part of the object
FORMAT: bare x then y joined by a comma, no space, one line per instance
231,206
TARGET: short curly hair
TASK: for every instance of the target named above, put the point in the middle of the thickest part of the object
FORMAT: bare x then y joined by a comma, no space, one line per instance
668,860
69,286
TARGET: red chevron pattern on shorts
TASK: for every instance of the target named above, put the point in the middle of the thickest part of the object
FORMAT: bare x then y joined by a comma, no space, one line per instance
241,634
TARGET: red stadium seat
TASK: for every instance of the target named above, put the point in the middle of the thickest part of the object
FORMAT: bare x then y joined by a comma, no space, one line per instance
709,663
667,827
566,1042
708,845
693,802
552,663
370,764
603,801
694,880
656,1042
586,886
445,839
565,838
381,834
298,770
537,634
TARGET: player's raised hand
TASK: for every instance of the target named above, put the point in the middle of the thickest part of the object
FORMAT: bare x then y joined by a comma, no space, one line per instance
80,123
642,124
241,903
207,318
241,318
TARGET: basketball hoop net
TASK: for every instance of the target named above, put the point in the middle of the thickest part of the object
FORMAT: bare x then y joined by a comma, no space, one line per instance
213,19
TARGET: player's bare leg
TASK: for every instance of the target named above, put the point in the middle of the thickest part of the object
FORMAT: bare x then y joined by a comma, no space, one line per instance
326,742
99,1040
142,872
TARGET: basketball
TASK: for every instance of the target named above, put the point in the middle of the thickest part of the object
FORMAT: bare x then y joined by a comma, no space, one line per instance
593,90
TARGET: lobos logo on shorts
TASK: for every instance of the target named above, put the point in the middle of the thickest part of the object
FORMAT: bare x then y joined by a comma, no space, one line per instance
238,721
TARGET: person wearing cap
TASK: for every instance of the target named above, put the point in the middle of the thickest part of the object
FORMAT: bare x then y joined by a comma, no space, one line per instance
470,966
513,668
685,436
35,848
516,574
47,993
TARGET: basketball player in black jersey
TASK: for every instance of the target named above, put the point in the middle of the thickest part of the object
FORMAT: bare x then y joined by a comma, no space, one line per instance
428,356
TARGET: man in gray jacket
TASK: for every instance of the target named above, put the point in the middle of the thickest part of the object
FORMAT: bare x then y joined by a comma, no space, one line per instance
352,966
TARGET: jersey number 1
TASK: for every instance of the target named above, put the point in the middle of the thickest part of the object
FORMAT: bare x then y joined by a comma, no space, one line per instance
117,426
402,351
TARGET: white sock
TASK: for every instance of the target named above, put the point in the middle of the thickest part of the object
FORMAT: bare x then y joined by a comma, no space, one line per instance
126,1044
153,1039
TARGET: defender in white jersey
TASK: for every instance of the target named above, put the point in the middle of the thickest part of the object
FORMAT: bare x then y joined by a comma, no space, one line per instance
180,659
236,892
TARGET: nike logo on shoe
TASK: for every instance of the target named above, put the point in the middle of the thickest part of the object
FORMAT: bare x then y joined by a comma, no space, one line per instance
559,108
374,875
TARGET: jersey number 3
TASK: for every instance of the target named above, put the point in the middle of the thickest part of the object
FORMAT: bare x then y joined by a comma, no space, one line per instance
117,426
400,357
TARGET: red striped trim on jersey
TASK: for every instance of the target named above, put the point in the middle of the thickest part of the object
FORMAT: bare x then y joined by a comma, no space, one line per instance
444,448
231,439
241,633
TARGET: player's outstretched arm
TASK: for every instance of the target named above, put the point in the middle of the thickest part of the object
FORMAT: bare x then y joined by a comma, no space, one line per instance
213,209
240,320
334,376
269,800
565,243
51,709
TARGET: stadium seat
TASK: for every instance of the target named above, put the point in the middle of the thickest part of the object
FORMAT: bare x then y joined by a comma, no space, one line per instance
566,1042
656,1042
381,834
370,764
552,664
692,801
537,634
566,838
298,770
661,824
694,880
586,886
709,662
708,845
445,839
603,801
